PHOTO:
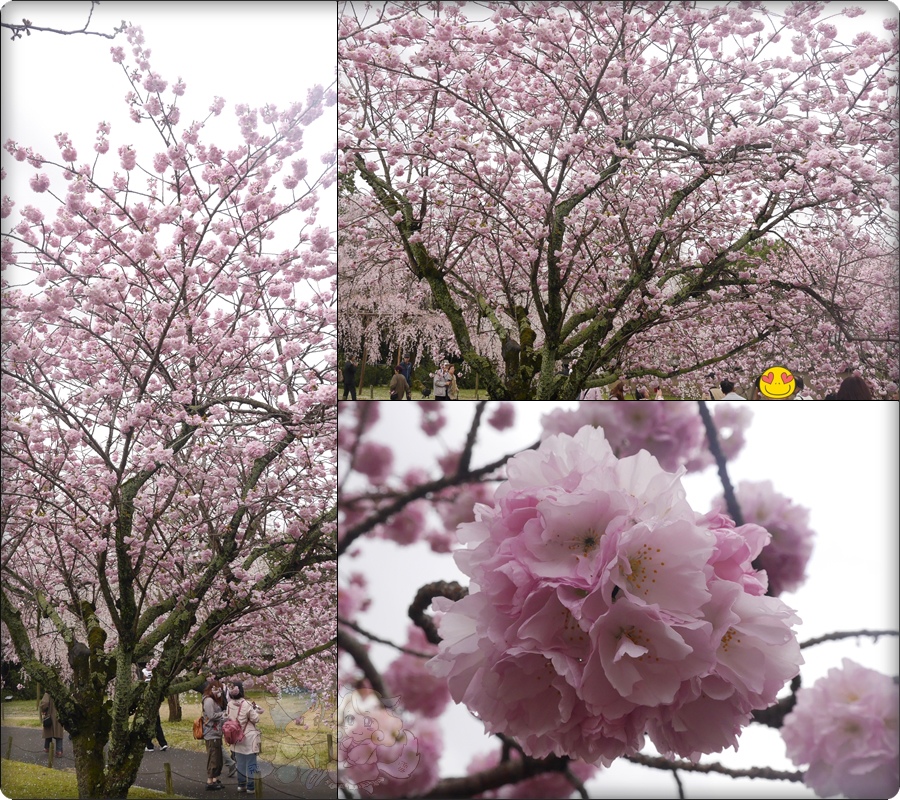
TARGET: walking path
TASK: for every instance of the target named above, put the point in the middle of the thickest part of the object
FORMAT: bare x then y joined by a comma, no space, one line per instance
188,770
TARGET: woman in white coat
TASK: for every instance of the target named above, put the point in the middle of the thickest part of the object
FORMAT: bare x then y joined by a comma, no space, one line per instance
246,712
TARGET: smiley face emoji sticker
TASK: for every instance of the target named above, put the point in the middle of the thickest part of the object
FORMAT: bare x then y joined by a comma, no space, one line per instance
777,383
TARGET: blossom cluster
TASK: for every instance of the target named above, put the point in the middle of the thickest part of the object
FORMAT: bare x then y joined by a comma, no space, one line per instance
672,432
602,608
407,678
846,728
785,558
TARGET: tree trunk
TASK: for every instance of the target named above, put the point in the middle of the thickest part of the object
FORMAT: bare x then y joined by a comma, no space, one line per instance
89,766
101,772
174,708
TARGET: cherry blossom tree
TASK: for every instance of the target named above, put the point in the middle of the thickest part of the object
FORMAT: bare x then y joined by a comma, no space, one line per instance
643,188
168,420
369,324
593,610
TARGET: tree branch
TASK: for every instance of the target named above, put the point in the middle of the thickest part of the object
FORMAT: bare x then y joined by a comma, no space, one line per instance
831,637
27,27
358,653
754,772
730,500
423,600
511,771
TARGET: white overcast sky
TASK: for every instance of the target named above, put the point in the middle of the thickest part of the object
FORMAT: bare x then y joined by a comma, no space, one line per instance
838,459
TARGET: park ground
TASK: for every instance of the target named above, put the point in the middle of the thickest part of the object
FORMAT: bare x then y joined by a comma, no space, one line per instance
294,762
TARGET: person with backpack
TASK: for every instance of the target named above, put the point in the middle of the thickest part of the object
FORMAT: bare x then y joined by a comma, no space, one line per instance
242,734
213,717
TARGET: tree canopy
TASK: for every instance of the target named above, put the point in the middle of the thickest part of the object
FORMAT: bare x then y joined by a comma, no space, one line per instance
635,188
168,419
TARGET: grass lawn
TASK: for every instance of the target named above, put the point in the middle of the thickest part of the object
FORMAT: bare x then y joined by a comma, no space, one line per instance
25,781
284,739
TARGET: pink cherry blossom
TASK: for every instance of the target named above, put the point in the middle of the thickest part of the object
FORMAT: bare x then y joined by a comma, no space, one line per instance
569,228
40,183
408,679
183,434
846,728
128,157
599,600
788,552
669,431
374,460
503,416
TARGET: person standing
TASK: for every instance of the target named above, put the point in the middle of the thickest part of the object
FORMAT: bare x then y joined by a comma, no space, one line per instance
53,729
246,712
227,759
399,388
854,388
798,392
213,718
349,375
406,368
617,391
728,392
146,675
441,381
452,389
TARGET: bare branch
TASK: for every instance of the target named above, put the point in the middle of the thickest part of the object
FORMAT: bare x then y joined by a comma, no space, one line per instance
754,772
26,27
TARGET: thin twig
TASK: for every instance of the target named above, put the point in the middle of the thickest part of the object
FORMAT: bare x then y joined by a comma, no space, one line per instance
576,782
423,490
721,462
466,457
378,639
27,27
829,637
678,781
755,772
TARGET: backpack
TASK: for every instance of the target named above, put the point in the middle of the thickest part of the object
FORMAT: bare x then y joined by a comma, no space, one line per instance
232,731
198,727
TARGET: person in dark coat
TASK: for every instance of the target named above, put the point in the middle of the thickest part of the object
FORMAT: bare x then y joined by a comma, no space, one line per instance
146,677
406,368
55,729
349,373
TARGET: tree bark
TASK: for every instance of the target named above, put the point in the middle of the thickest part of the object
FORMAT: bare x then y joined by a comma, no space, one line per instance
174,708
